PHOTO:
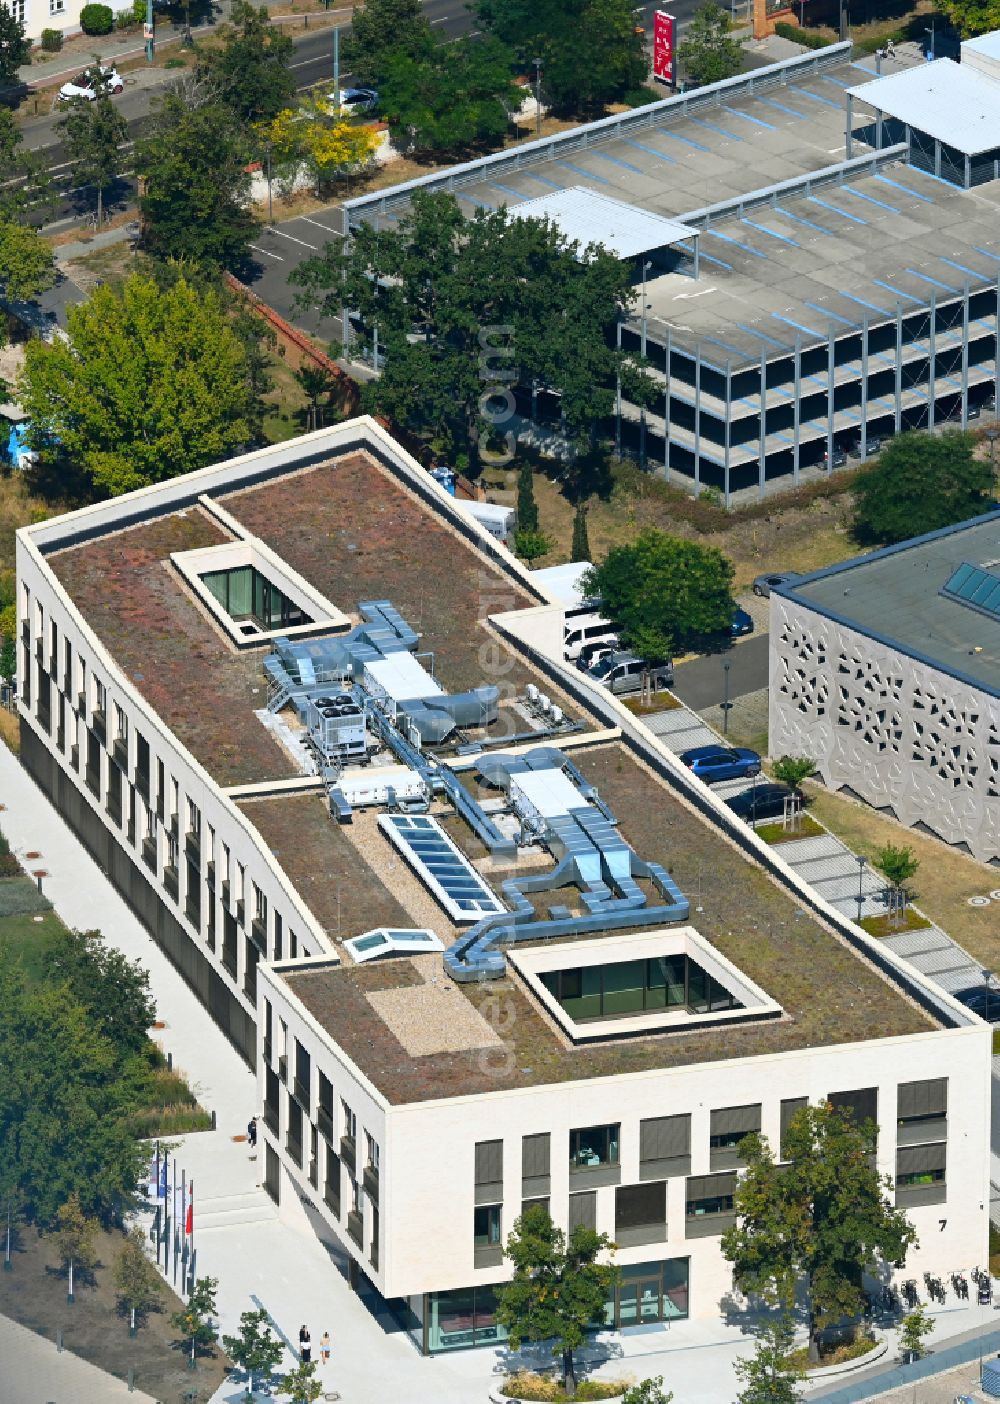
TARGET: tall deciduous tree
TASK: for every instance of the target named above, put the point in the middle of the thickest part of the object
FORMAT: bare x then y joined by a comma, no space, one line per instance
899,864
196,199
27,266
73,1238
818,1221
315,135
113,989
765,1377
453,96
922,482
447,294
559,1287
972,17
792,770
256,1349
147,384
527,507
663,593
250,69
15,49
382,30
708,52
194,1321
94,134
138,1286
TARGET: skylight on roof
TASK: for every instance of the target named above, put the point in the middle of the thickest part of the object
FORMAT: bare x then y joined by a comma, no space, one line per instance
976,587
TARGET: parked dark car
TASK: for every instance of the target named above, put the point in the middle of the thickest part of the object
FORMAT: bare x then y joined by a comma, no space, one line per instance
764,584
742,623
839,458
711,763
873,445
760,802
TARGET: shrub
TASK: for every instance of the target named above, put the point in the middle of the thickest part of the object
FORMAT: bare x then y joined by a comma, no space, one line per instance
52,40
125,19
808,38
97,19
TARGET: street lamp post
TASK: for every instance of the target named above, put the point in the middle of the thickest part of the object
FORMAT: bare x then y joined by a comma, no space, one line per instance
726,704
646,266
148,32
991,438
930,51
862,864
538,96
336,68
270,205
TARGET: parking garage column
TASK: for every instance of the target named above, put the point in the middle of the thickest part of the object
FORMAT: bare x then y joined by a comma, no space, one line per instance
830,343
965,355
618,400
728,427
666,408
864,387
697,417
796,410
849,123
899,368
762,437
996,351
932,363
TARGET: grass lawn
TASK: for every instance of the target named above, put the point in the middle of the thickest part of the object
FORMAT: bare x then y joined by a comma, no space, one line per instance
944,882
776,832
892,925
27,936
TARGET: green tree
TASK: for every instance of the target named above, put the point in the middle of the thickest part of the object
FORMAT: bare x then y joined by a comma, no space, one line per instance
113,989
664,594
455,95
530,545
146,385
765,1376
915,1326
250,69
649,1391
816,1221
73,1237
580,549
15,49
194,1320
65,1098
301,1383
256,1349
558,1289
899,865
527,507
381,31
138,1286
26,182
94,134
195,204
971,17
476,289
708,52
8,658
922,482
27,266
792,770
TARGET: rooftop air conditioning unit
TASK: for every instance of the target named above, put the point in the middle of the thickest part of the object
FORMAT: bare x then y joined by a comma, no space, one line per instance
532,693
544,705
557,716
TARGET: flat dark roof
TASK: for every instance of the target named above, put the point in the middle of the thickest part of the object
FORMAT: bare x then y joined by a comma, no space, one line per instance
895,596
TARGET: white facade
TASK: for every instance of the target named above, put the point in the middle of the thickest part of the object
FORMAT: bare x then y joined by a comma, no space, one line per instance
902,734
37,15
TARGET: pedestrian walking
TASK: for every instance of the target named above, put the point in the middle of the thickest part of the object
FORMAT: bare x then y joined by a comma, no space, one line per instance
252,1131
890,50
305,1345
324,1347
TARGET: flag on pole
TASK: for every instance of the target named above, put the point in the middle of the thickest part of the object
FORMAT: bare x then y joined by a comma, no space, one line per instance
154,1173
189,1221
163,1178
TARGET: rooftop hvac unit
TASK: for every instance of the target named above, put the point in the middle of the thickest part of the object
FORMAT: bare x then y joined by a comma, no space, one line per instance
544,705
557,716
532,693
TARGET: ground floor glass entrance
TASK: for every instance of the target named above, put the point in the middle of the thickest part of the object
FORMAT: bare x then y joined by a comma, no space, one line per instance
649,1292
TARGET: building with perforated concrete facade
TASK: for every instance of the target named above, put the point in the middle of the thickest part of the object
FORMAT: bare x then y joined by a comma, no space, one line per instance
885,670
484,940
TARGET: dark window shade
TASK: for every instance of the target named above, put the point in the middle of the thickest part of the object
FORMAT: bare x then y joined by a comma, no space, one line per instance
665,1137
729,1121
920,1160
789,1107
535,1155
639,1205
711,1186
583,1210
862,1103
918,1099
489,1162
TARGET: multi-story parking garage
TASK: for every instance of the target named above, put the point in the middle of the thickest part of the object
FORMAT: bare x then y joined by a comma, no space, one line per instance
840,294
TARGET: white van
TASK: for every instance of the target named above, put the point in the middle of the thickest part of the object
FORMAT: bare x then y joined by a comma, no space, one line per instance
586,629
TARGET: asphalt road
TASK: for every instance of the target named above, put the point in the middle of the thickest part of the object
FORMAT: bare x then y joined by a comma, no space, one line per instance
701,682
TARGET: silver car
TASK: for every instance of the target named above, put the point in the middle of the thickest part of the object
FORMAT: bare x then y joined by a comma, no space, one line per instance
624,672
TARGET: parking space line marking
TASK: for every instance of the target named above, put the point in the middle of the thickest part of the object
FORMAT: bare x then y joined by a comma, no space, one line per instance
650,150
617,161
579,170
314,247
329,229
720,131
855,219
266,252
748,117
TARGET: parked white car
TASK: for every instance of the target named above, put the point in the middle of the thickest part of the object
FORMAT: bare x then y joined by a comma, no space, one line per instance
89,83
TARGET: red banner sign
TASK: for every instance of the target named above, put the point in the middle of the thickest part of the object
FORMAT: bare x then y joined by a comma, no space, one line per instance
663,47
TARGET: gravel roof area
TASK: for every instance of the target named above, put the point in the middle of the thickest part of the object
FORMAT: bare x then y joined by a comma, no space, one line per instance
830,995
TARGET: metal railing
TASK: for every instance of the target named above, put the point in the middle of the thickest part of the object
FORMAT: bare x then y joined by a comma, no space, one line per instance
599,133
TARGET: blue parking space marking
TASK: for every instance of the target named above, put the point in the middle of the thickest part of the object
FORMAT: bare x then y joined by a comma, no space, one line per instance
649,150
748,117
770,102
579,170
815,97
508,189
862,303
617,161
763,229
720,131
756,331
837,82
728,239
961,267
479,203
800,219
986,253
826,312
688,141
855,219
896,292
718,262
542,180
870,199
926,277
797,325
898,185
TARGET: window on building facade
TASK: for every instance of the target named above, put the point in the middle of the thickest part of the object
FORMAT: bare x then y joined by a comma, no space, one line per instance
594,1145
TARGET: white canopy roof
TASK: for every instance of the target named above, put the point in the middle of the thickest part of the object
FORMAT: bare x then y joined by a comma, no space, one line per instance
588,218
949,101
